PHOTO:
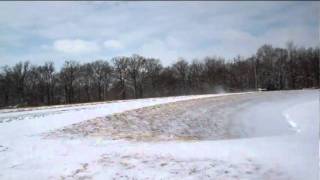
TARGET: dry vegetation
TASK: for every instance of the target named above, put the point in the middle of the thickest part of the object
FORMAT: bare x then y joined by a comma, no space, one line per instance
200,119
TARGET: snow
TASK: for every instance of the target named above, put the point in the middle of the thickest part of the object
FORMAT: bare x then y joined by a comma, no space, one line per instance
276,138
25,153
288,129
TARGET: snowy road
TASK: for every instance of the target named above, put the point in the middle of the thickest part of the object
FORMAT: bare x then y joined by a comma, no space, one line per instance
275,137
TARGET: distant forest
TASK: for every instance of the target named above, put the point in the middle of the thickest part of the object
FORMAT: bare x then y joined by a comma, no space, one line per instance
122,77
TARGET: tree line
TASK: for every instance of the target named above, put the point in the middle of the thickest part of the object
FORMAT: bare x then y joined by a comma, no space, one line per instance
136,76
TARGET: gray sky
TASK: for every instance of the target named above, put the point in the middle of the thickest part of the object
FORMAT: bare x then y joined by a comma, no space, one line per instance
86,31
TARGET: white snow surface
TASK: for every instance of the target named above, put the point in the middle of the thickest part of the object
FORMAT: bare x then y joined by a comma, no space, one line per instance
280,133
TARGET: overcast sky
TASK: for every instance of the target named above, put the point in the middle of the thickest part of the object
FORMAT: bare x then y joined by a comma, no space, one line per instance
86,31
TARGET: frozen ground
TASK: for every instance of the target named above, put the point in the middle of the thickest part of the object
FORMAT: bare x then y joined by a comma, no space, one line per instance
263,135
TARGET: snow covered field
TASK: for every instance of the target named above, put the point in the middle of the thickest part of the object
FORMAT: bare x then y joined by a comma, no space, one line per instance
261,135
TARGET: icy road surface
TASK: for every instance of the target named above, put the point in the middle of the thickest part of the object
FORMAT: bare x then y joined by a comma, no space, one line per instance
262,135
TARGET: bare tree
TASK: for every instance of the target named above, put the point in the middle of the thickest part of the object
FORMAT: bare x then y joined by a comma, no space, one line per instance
87,79
196,79
19,74
121,73
68,75
136,76
101,76
181,68
137,72
151,80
